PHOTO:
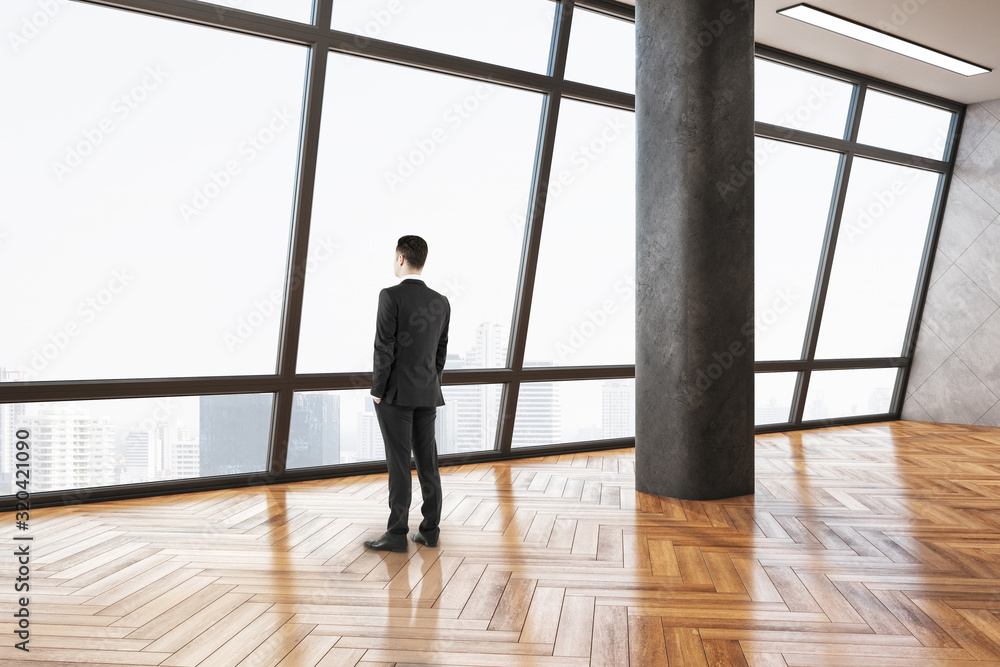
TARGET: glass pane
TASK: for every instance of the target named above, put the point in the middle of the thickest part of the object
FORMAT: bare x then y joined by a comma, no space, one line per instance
591,196
233,433
147,199
834,394
791,97
314,436
399,159
513,33
793,191
83,444
330,427
468,420
574,411
904,125
878,255
293,10
773,397
601,51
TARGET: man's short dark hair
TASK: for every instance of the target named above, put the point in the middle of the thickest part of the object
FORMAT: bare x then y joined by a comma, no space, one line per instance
413,249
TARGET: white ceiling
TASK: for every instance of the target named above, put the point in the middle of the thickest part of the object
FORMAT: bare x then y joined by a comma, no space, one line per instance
966,29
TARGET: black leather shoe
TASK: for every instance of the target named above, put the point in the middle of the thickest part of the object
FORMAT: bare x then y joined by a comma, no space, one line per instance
420,538
386,543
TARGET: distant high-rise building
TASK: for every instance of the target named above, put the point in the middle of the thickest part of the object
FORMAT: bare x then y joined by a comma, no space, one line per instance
490,350
160,452
444,428
233,433
617,409
8,375
471,407
315,433
879,400
10,421
371,446
539,413
183,453
772,413
139,463
476,407
70,449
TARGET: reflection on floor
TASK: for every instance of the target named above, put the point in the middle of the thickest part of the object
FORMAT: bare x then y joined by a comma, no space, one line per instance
865,545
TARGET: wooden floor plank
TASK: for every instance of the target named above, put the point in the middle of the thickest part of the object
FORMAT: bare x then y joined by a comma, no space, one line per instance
609,647
871,609
724,653
273,649
979,644
542,621
346,657
684,647
692,566
919,624
486,595
207,639
646,644
574,635
512,608
864,545
663,559
310,651
456,593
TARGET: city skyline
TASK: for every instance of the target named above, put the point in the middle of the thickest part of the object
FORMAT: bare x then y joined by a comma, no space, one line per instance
153,439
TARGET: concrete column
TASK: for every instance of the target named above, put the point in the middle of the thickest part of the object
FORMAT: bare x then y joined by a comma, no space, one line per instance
694,265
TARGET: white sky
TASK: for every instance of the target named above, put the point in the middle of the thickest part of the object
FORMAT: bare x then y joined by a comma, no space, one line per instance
147,189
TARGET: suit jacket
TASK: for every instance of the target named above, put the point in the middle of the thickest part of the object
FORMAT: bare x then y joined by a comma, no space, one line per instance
411,342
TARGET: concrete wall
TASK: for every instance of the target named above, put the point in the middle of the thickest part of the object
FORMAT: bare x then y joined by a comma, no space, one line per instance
956,365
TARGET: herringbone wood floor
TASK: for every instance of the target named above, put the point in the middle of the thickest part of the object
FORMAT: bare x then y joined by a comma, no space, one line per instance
867,545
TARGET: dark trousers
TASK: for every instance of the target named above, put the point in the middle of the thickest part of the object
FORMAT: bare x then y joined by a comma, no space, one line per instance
405,429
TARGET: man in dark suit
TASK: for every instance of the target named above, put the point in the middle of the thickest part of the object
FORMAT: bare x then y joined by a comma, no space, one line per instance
411,342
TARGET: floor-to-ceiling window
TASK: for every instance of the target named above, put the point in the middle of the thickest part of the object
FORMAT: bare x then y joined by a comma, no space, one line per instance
201,200
201,204
849,183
